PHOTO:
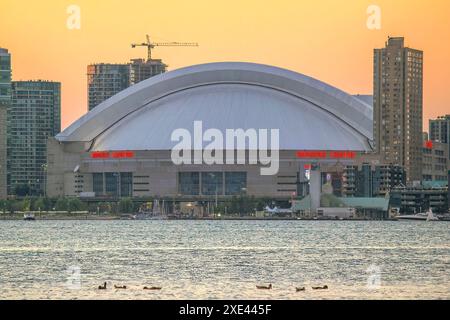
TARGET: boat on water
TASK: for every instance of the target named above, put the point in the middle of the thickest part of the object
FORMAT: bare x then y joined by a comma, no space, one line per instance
127,217
421,216
29,216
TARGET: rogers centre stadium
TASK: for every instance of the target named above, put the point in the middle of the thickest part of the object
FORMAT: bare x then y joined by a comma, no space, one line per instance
122,148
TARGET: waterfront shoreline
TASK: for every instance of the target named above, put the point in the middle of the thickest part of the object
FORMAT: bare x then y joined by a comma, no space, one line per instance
118,217
138,217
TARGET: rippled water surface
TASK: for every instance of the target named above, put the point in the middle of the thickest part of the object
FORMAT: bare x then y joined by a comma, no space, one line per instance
224,259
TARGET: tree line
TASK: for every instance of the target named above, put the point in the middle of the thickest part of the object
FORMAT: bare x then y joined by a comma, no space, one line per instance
65,204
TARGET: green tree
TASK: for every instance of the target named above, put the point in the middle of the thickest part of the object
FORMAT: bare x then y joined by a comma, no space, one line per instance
74,204
47,204
10,206
39,204
126,205
16,206
61,204
26,204
3,206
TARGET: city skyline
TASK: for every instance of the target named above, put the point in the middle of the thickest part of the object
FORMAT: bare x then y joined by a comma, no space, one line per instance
307,38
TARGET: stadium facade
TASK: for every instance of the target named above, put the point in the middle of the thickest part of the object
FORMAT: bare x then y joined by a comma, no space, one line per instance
122,148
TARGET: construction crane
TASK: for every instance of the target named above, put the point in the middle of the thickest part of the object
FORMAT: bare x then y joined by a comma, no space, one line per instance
150,45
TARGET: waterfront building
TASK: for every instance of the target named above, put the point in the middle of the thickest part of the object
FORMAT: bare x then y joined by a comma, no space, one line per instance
340,207
5,102
420,197
123,147
368,180
34,116
440,130
398,99
368,207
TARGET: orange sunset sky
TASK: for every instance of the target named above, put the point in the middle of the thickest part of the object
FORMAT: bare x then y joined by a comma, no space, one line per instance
327,39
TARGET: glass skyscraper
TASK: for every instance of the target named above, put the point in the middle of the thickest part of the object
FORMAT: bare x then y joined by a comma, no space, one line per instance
5,101
34,116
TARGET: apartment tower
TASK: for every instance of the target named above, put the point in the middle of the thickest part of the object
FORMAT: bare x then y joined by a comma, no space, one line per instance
398,87
5,101
34,116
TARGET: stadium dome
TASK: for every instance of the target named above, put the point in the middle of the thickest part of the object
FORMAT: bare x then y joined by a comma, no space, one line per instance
309,114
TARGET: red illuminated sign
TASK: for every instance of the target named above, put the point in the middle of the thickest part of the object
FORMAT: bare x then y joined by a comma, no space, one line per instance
342,154
99,155
307,154
122,154
429,144
312,154
113,154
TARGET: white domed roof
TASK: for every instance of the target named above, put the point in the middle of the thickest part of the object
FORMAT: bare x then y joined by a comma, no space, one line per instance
308,113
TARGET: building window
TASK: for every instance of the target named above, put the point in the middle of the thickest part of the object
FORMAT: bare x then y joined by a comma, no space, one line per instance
212,183
126,184
189,183
235,183
97,180
111,183
116,184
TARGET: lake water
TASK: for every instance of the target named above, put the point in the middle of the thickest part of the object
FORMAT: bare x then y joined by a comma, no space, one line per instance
224,259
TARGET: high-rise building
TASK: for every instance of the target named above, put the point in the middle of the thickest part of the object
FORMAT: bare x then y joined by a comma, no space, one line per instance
5,101
440,130
141,69
105,79
34,116
398,87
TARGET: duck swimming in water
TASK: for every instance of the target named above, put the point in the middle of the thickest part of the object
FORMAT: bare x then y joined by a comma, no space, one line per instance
102,287
264,287
119,287
152,288
320,288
